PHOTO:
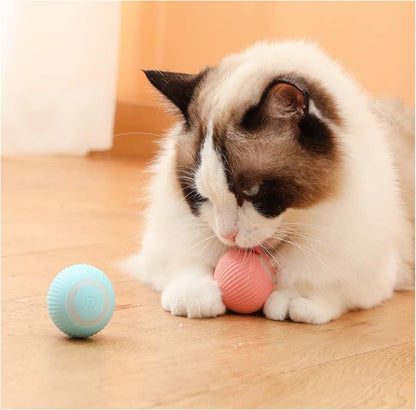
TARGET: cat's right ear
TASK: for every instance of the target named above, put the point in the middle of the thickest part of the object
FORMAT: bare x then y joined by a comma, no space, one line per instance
179,88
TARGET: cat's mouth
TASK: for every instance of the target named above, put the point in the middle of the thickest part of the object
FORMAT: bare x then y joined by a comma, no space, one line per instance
269,243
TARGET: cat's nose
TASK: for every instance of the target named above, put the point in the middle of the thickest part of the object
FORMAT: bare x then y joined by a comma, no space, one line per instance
230,235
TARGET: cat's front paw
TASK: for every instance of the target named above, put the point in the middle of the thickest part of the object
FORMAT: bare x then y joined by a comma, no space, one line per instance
277,305
283,304
193,296
311,311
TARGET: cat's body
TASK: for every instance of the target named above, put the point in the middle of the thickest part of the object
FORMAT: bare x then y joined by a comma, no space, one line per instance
280,147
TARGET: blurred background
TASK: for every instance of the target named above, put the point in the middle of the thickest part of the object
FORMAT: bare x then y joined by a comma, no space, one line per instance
71,78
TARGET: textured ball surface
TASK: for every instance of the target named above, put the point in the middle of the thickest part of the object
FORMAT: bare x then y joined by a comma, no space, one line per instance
245,278
81,300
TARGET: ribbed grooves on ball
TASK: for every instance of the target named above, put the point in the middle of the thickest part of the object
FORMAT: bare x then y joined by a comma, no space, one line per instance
255,303
56,302
243,281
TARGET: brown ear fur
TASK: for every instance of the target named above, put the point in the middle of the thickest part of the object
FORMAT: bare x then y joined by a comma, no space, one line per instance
285,100
179,88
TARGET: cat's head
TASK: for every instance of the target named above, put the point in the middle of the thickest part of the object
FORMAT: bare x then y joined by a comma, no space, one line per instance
257,139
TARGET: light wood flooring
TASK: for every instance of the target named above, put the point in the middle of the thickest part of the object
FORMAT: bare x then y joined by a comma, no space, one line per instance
58,211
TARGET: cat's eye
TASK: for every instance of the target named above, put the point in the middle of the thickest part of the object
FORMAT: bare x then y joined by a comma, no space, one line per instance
254,190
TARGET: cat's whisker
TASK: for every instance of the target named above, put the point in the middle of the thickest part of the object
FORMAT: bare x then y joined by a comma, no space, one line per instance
311,248
344,252
319,228
307,252
275,258
151,134
186,178
185,174
271,256
206,242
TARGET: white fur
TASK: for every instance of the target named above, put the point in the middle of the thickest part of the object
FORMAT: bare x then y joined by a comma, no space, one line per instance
221,213
349,250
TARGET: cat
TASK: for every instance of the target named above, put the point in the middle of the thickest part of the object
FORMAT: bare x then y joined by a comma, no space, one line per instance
277,146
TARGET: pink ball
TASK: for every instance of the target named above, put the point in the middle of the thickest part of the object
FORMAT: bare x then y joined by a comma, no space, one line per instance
246,279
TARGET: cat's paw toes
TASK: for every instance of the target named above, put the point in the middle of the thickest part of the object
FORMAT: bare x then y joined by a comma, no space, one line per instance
277,305
309,311
195,297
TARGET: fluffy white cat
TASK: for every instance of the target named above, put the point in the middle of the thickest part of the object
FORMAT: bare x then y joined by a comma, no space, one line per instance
279,147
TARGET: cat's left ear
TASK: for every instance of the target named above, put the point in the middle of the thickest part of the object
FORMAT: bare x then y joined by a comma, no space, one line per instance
280,100
285,100
179,88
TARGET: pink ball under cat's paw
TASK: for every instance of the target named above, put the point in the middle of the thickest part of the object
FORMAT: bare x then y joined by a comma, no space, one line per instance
246,279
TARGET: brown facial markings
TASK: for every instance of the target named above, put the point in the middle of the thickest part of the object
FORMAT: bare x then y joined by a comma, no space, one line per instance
293,155
288,176
324,102
312,90
188,148
290,154
181,89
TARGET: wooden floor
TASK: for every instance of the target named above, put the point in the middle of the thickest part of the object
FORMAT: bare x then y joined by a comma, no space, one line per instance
61,211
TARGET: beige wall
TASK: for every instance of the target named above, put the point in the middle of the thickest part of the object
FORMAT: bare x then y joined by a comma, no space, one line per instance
373,40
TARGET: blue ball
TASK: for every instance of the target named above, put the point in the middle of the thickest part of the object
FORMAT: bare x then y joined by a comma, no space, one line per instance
81,300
